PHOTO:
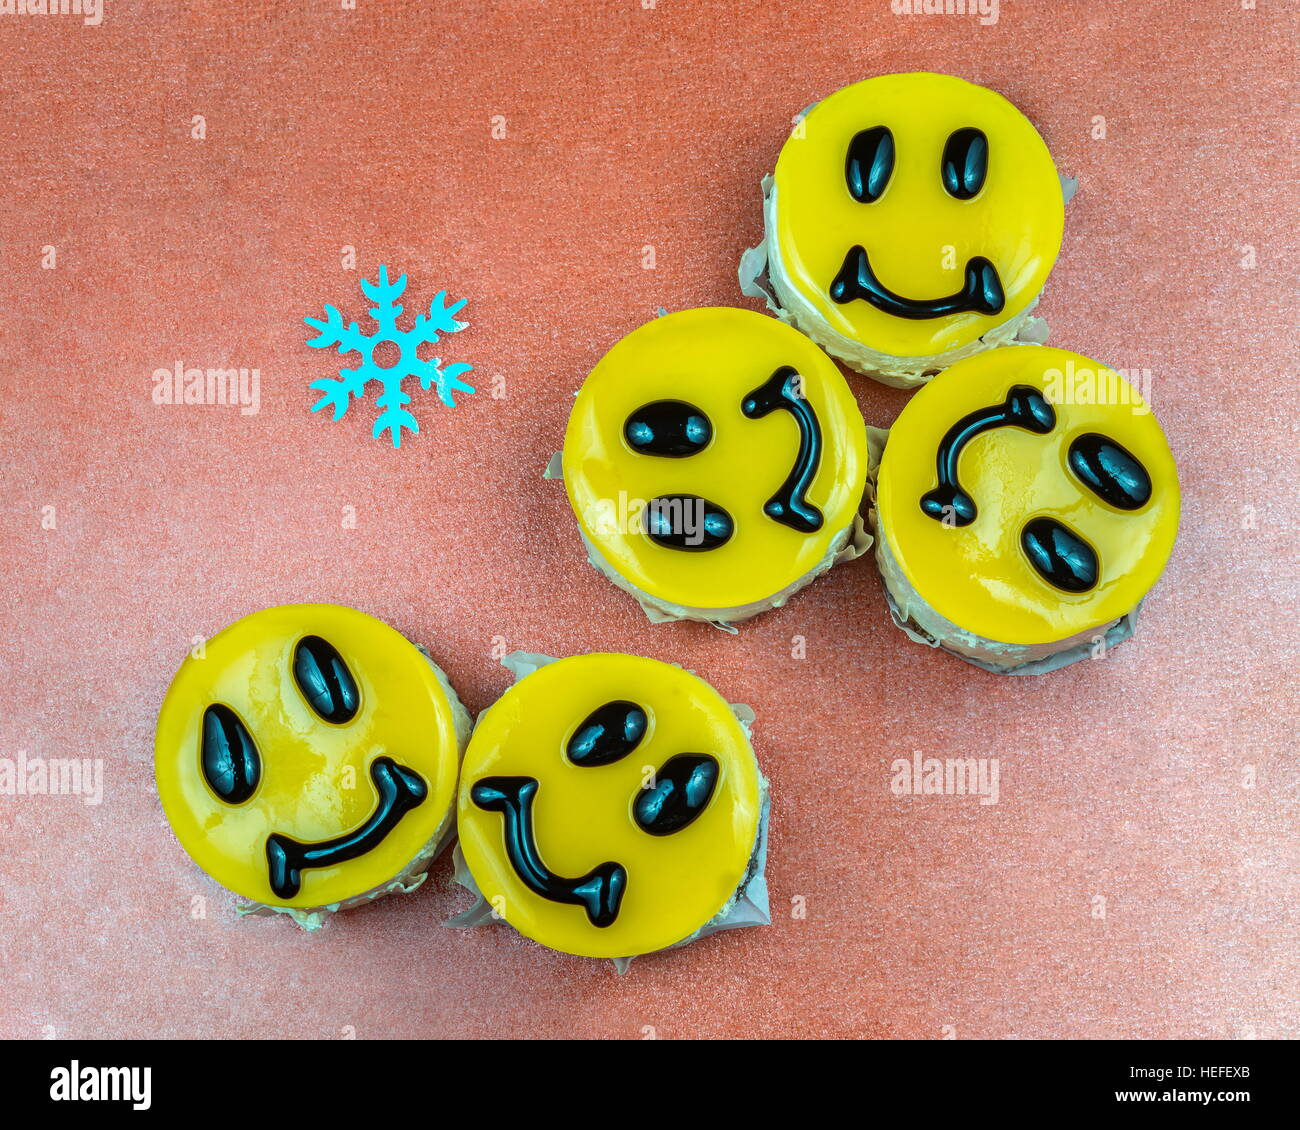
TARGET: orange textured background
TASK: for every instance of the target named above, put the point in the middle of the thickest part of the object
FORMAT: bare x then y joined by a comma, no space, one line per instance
626,126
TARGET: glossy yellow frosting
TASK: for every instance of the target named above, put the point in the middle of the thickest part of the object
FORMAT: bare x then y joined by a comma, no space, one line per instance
583,815
979,576
919,238
315,782
712,358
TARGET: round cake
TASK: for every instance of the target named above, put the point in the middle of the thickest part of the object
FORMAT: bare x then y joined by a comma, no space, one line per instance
912,220
715,460
1026,502
611,806
307,759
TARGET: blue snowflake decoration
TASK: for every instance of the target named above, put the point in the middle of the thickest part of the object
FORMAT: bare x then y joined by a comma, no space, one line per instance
392,399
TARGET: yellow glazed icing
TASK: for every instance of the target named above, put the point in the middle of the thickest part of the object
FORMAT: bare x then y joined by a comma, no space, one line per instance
979,576
315,782
583,816
712,358
919,239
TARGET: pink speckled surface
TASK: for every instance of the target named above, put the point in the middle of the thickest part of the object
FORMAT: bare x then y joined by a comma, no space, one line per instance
1162,780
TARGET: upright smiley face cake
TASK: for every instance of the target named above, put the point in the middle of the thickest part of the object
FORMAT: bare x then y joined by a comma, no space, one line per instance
1026,502
912,220
715,460
307,759
611,806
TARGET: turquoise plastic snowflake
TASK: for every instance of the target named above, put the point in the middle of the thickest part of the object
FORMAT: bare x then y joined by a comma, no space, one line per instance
392,400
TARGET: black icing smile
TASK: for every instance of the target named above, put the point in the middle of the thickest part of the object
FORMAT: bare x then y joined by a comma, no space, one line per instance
599,892
400,790
1024,407
682,789
790,505
1110,471
981,291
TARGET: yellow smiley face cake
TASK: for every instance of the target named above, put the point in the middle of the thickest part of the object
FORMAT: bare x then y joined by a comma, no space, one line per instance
307,759
1026,502
715,460
611,806
912,221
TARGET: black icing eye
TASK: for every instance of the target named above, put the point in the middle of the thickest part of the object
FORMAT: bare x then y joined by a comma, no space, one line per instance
869,164
1110,471
609,733
325,681
670,428
965,163
1062,558
682,789
686,522
229,757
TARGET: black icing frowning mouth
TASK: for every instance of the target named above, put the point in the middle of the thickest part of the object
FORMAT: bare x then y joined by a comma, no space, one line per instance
981,290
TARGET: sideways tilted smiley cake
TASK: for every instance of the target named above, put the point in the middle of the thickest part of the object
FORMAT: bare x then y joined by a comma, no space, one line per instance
715,461
1026,501
611,806
912,220
307,759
